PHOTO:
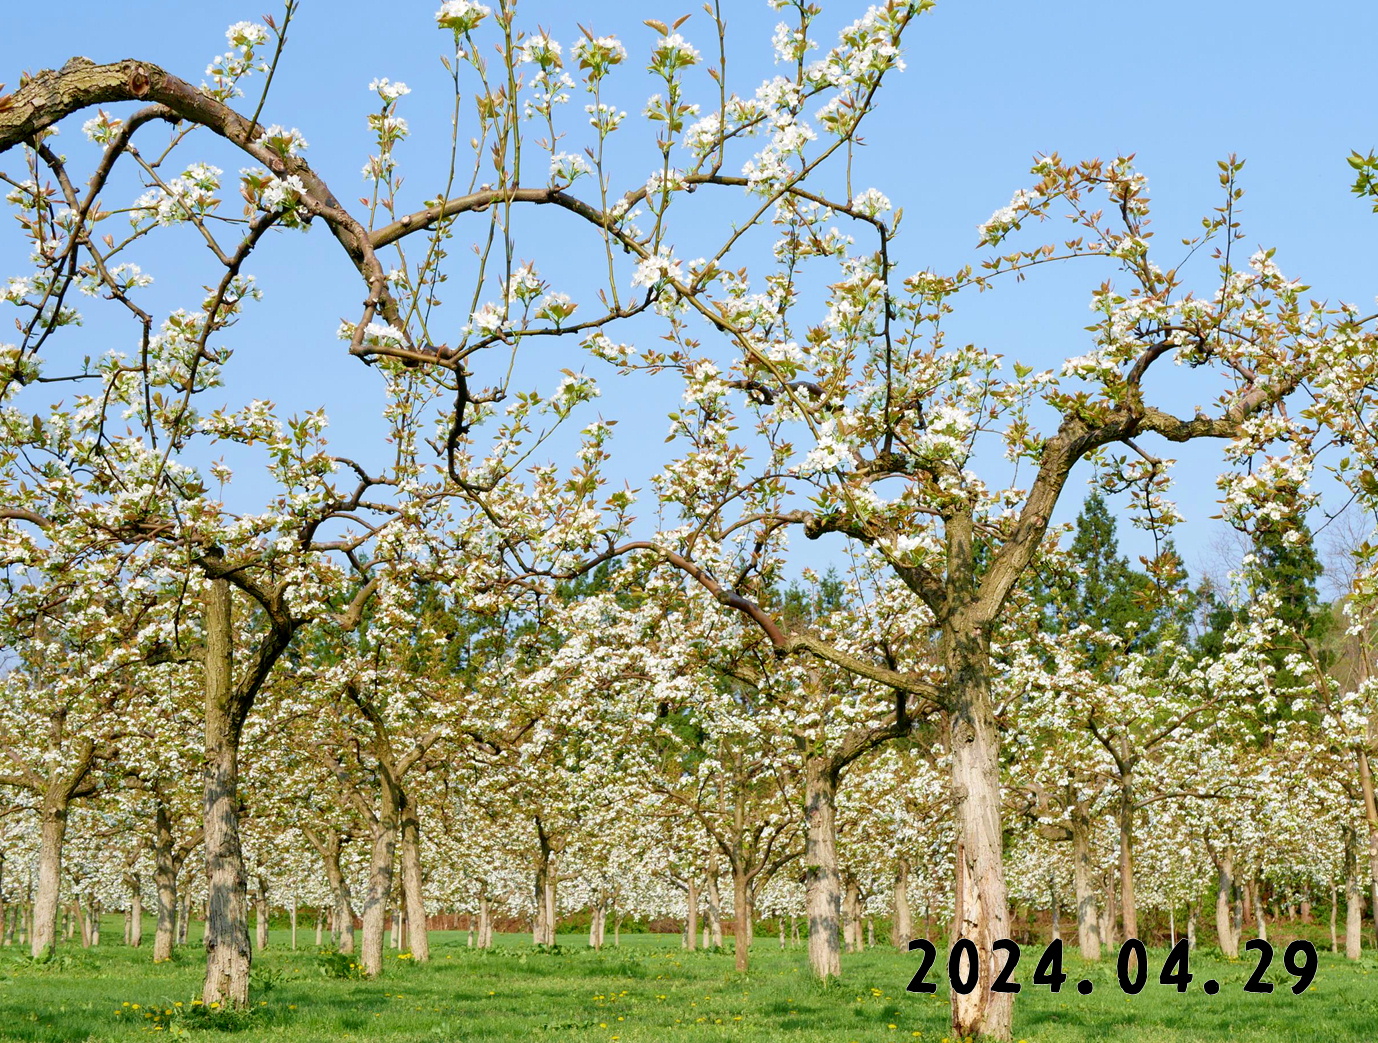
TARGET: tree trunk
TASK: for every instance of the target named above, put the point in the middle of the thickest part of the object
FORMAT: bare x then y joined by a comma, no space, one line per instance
1306,910
901,923
691,920
595,912
1354,902
382,857
551,917
320,926
292,917
1129,913
1371,817
1259,917
1334,909
342,914
974,742
851,914
822,882
1055,905
1239,916
184,920
1107,918
412,884
261,914
52,830
165,884
136,913
228,955
485,922
1224,928
741,918
1088,926
714,925
542,932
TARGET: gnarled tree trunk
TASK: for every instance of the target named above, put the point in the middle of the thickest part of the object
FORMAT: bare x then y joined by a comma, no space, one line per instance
381,860
228,954
52,829
165,885
822,881
330,846
982,903
412,884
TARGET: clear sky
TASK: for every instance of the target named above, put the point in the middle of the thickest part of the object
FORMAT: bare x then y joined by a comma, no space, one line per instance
990,83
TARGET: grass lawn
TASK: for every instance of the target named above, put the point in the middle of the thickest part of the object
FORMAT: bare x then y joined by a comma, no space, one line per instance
649,991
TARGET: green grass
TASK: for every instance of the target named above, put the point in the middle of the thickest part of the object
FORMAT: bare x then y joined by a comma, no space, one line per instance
648,991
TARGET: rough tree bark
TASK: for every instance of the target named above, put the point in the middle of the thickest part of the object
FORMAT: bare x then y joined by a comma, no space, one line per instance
329,846
901,923
1128,910
56,790
382,856
228,954
52,829
741,917
412,883
851,913
1225,933
822,881
165,869
974,743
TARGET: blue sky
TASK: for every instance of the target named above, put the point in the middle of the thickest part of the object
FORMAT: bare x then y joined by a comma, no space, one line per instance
989,84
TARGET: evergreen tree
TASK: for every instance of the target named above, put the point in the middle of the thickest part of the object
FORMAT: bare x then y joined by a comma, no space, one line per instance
1107,594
